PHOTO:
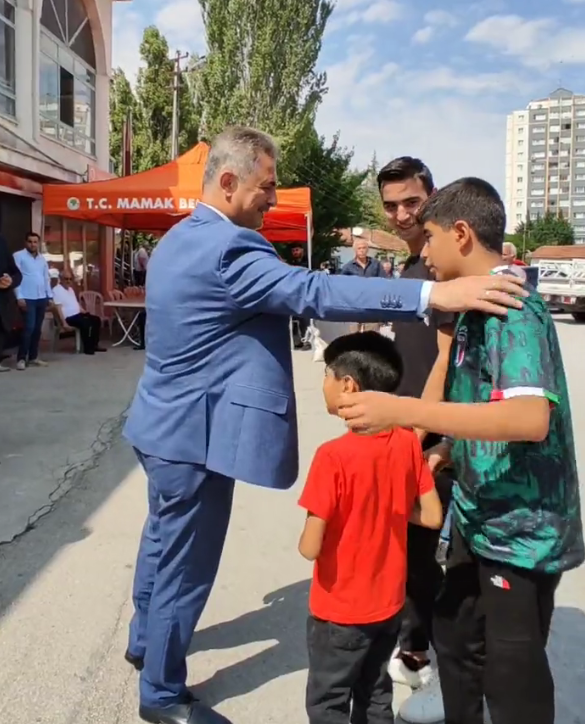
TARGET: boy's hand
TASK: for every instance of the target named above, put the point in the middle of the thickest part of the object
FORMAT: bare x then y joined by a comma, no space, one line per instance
438,457
372,412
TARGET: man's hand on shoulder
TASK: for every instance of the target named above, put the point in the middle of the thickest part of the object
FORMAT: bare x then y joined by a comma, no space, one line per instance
492,294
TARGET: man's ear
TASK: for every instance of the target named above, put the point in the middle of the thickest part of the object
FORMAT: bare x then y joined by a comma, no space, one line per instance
228,182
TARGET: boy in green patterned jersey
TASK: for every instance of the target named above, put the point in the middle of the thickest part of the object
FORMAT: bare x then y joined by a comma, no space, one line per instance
517,520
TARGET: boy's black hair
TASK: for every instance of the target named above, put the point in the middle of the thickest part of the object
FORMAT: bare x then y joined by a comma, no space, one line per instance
371,359
472,200
404,169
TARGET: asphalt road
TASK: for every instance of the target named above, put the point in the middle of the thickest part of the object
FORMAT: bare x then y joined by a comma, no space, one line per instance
65,594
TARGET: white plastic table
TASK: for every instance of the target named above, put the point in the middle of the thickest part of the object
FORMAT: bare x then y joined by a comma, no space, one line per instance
138,305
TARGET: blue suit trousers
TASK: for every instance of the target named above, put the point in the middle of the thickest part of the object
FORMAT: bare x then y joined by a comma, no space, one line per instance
189,510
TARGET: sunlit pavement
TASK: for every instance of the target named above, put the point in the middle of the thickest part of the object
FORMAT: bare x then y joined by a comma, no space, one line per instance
65,585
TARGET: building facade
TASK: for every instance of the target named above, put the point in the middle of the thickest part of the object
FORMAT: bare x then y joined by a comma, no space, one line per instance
545,161
55,64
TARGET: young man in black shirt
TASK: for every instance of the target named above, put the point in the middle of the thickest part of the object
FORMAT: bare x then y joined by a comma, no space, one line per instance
405,183
299,325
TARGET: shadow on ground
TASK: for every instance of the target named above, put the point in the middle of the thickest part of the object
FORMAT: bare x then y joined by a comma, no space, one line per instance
282,618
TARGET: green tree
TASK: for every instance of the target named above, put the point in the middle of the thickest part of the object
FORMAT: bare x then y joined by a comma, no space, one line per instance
548,230
336,192
373,212
260,68
151,104
123,105
154,93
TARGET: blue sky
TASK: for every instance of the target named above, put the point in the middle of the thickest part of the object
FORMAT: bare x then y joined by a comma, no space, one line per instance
431,79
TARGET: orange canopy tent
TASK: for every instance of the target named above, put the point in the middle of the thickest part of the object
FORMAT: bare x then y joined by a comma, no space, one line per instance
155,200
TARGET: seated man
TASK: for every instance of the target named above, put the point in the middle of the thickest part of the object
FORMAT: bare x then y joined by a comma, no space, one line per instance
73,316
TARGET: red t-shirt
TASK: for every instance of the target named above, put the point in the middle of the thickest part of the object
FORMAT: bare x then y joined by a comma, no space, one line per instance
365,488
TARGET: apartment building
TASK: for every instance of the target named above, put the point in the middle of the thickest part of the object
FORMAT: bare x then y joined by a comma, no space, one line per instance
545,160
55,65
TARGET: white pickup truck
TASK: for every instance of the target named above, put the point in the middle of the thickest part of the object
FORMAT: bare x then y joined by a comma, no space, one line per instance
561,278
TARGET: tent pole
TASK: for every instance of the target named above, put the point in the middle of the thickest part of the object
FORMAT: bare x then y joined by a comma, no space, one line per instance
309,241
311,331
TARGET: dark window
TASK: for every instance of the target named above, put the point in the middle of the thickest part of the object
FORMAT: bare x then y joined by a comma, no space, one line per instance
67,95
67,20
66,98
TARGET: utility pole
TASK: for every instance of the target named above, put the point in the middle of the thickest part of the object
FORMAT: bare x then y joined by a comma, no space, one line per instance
176,87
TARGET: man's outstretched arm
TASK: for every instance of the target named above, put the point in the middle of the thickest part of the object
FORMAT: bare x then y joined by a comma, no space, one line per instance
256,280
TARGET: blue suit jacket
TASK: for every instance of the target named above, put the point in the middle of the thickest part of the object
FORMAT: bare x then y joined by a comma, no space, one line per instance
217,387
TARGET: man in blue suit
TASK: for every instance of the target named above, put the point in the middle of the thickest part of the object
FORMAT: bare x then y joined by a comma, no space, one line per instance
216,400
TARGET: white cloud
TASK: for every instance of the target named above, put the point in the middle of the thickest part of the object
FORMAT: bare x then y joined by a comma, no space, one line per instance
539,43
441,17
422,36
383,11
127,35
179,21
352,12
434,20
432,114
182,24
444,78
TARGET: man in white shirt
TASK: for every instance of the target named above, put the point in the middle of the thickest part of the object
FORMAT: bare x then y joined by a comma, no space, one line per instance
73,316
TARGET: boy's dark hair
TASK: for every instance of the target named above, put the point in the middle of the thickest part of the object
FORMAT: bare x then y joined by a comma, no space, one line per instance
404,169
371,359
472,200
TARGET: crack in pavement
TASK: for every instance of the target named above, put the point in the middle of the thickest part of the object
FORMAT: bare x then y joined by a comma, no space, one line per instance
74,473
98,666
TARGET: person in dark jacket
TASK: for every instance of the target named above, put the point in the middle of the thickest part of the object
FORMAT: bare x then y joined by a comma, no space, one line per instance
299,325
10,278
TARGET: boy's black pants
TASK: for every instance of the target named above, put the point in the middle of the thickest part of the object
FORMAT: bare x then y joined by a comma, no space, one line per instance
348,670
491,627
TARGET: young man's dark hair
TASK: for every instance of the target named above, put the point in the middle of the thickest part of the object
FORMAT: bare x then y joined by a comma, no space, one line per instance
405,168
371,359
474,201
31,234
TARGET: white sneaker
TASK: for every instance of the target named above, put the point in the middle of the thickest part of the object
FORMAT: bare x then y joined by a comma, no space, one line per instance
4,369
21,365
37,363
424,706
401,674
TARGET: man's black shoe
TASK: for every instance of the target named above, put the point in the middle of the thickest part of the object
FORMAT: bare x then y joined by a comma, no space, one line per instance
194,713
136,661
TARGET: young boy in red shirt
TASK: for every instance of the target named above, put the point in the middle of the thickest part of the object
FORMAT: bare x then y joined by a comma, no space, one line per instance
360,494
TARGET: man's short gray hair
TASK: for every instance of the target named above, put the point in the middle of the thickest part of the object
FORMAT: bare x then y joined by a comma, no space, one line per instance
509,248
238,149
